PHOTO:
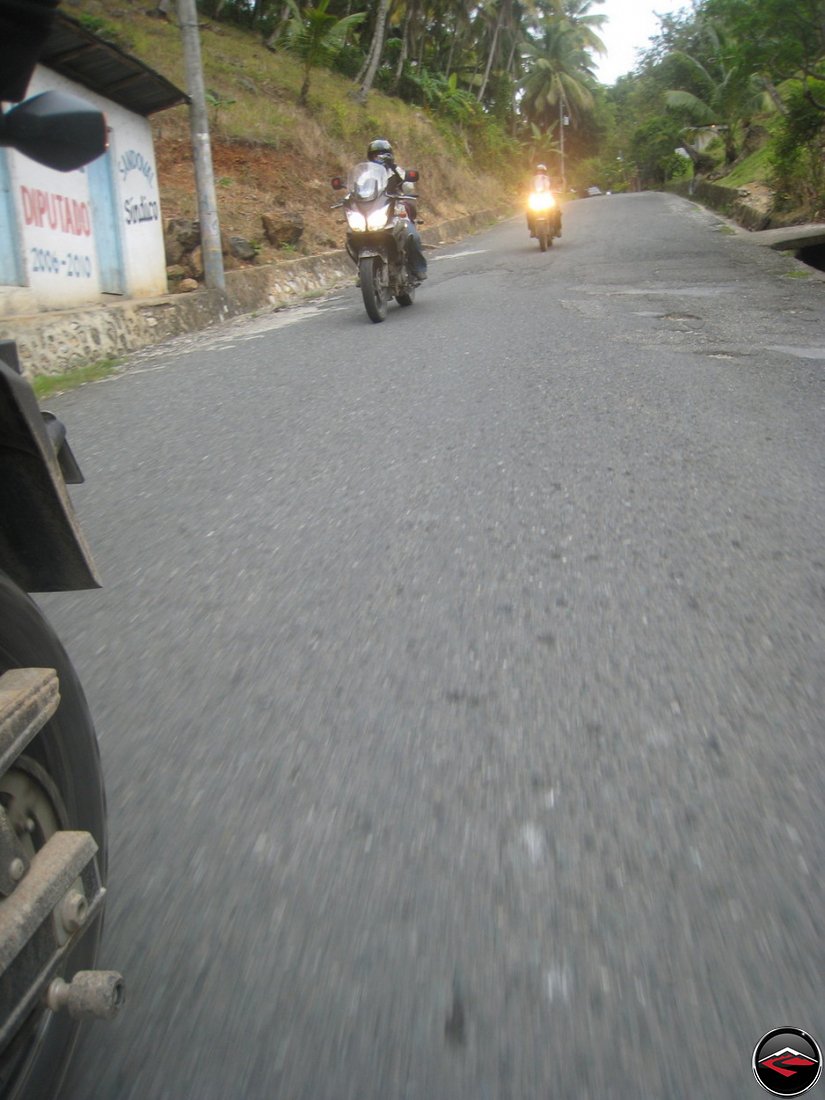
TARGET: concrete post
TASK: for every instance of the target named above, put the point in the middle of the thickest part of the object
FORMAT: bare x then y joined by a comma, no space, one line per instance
201,149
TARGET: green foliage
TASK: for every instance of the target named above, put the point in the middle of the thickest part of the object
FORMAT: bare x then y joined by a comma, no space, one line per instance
540,144
348,60
441,94
316,37
723,93
652,149
780,38
47,385
753,68
218,102
797,152
756,167
676,167
102,27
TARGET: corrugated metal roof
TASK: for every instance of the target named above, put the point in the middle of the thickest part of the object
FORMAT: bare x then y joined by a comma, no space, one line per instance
102,67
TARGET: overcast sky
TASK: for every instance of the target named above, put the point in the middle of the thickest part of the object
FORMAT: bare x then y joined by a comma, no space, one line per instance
631,23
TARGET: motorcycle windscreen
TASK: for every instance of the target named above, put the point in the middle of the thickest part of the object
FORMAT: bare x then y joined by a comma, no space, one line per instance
366,181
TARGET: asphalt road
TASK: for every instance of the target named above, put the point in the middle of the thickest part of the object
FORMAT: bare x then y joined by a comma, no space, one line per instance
459,679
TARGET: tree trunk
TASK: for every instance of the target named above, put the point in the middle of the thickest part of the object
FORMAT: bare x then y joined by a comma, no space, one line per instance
376,49
776,98
271,43
402,54
449,67
491,55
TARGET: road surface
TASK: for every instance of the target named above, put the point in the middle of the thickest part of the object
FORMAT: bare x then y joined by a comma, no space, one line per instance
459,678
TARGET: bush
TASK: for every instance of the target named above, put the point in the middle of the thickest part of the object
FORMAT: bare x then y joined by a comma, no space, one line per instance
348,61
796,156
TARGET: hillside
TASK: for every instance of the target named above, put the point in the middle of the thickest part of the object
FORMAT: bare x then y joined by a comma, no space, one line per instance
271,155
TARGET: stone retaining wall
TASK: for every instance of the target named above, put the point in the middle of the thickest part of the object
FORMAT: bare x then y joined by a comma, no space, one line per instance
53,342
725,200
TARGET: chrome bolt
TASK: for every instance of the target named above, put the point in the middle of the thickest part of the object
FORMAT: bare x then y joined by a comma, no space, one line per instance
17,868
73,911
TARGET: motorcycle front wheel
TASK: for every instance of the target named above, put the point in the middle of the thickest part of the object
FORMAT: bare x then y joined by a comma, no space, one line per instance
373,287
544,238
55,784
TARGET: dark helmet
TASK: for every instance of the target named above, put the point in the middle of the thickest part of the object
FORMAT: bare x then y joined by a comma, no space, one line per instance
380,151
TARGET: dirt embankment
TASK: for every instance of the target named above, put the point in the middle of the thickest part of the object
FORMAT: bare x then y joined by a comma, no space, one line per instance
252,180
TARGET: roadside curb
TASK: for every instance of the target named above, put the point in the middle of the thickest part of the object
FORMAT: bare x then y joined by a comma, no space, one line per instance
56,341
732,202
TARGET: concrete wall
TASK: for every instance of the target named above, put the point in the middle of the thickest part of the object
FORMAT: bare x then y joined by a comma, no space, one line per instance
726,200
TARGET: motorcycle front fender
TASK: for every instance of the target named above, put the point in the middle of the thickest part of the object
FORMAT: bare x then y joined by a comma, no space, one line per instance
370,250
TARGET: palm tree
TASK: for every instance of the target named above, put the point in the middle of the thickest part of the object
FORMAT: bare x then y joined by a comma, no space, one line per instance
315,37
587,24
725,96
558,75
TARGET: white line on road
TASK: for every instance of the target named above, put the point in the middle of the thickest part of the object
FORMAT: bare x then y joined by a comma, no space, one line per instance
460,255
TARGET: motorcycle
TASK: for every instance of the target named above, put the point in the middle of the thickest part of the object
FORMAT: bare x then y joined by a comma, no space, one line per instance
541,204
52,802
378,228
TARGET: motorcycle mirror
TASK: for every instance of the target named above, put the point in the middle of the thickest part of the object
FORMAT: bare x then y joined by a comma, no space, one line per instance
337,183
411,176
56,129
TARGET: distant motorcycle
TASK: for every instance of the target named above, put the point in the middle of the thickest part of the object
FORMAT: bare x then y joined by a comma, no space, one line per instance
543,216
378,228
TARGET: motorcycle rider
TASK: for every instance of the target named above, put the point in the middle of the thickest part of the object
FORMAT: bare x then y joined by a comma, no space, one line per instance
380,152
542,182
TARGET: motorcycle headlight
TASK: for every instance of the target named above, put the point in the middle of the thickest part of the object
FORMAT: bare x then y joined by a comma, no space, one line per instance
378,218
540,201
356,221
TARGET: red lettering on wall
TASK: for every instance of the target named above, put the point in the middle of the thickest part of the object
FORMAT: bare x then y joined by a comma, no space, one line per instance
28,205
82,219
43,208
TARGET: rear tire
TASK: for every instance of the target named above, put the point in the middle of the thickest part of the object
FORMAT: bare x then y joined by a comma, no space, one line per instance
60,772
373,287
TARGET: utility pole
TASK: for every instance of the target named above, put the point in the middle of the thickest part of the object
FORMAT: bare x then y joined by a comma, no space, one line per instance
202,150
562,124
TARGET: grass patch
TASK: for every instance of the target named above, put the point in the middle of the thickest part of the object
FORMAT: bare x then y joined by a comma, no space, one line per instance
753,169
47,385
797,275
